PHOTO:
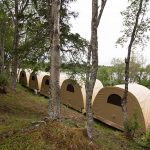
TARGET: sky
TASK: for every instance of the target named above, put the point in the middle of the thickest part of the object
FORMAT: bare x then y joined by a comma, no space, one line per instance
108,31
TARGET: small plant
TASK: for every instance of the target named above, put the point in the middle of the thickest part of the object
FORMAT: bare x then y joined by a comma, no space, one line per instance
131,126
4,82
4,79
145,140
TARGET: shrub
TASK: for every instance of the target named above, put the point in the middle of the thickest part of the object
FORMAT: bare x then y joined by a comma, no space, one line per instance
145,140
4,79
131,126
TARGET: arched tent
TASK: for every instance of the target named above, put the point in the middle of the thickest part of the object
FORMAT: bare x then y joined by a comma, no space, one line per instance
107,105
45,84
35,80
24,77
98,85
18,74
73,94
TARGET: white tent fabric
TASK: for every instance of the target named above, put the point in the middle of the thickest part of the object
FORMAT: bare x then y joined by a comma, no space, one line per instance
142,95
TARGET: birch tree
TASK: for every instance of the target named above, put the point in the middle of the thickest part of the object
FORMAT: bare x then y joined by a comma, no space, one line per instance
16,9
13,9
5,28
54,18
15,45
1,54
136,23
92,61
2,29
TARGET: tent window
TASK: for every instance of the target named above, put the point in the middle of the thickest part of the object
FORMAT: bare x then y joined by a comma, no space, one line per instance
70,88
33,77
22,75
47,82
114,99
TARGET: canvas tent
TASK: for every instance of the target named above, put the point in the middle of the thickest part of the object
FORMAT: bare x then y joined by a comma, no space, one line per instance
45,84
35,80
107,105
18,74
24,77
73,94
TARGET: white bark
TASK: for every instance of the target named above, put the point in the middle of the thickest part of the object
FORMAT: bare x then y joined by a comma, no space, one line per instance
1,54
92,63
15,47
54,109
127,62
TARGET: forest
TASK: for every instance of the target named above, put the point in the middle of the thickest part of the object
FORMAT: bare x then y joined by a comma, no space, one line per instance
36,36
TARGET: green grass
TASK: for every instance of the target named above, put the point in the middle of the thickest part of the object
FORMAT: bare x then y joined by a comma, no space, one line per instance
19,109
112,139
24,142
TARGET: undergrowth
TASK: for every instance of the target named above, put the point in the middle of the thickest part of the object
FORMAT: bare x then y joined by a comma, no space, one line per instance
18,110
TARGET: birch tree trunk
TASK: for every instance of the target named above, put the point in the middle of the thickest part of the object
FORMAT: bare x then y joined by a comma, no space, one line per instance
2,37
127,62
15,47
54,102
50,21
1,54
92,63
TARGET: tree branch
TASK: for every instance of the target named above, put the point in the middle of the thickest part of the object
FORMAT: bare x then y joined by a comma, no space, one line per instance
11,13
103,3
135,26
24,7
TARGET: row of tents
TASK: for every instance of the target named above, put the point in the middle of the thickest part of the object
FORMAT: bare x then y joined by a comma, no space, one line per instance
106,101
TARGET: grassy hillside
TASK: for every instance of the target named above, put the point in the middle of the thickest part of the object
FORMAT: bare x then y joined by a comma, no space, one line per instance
21,127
